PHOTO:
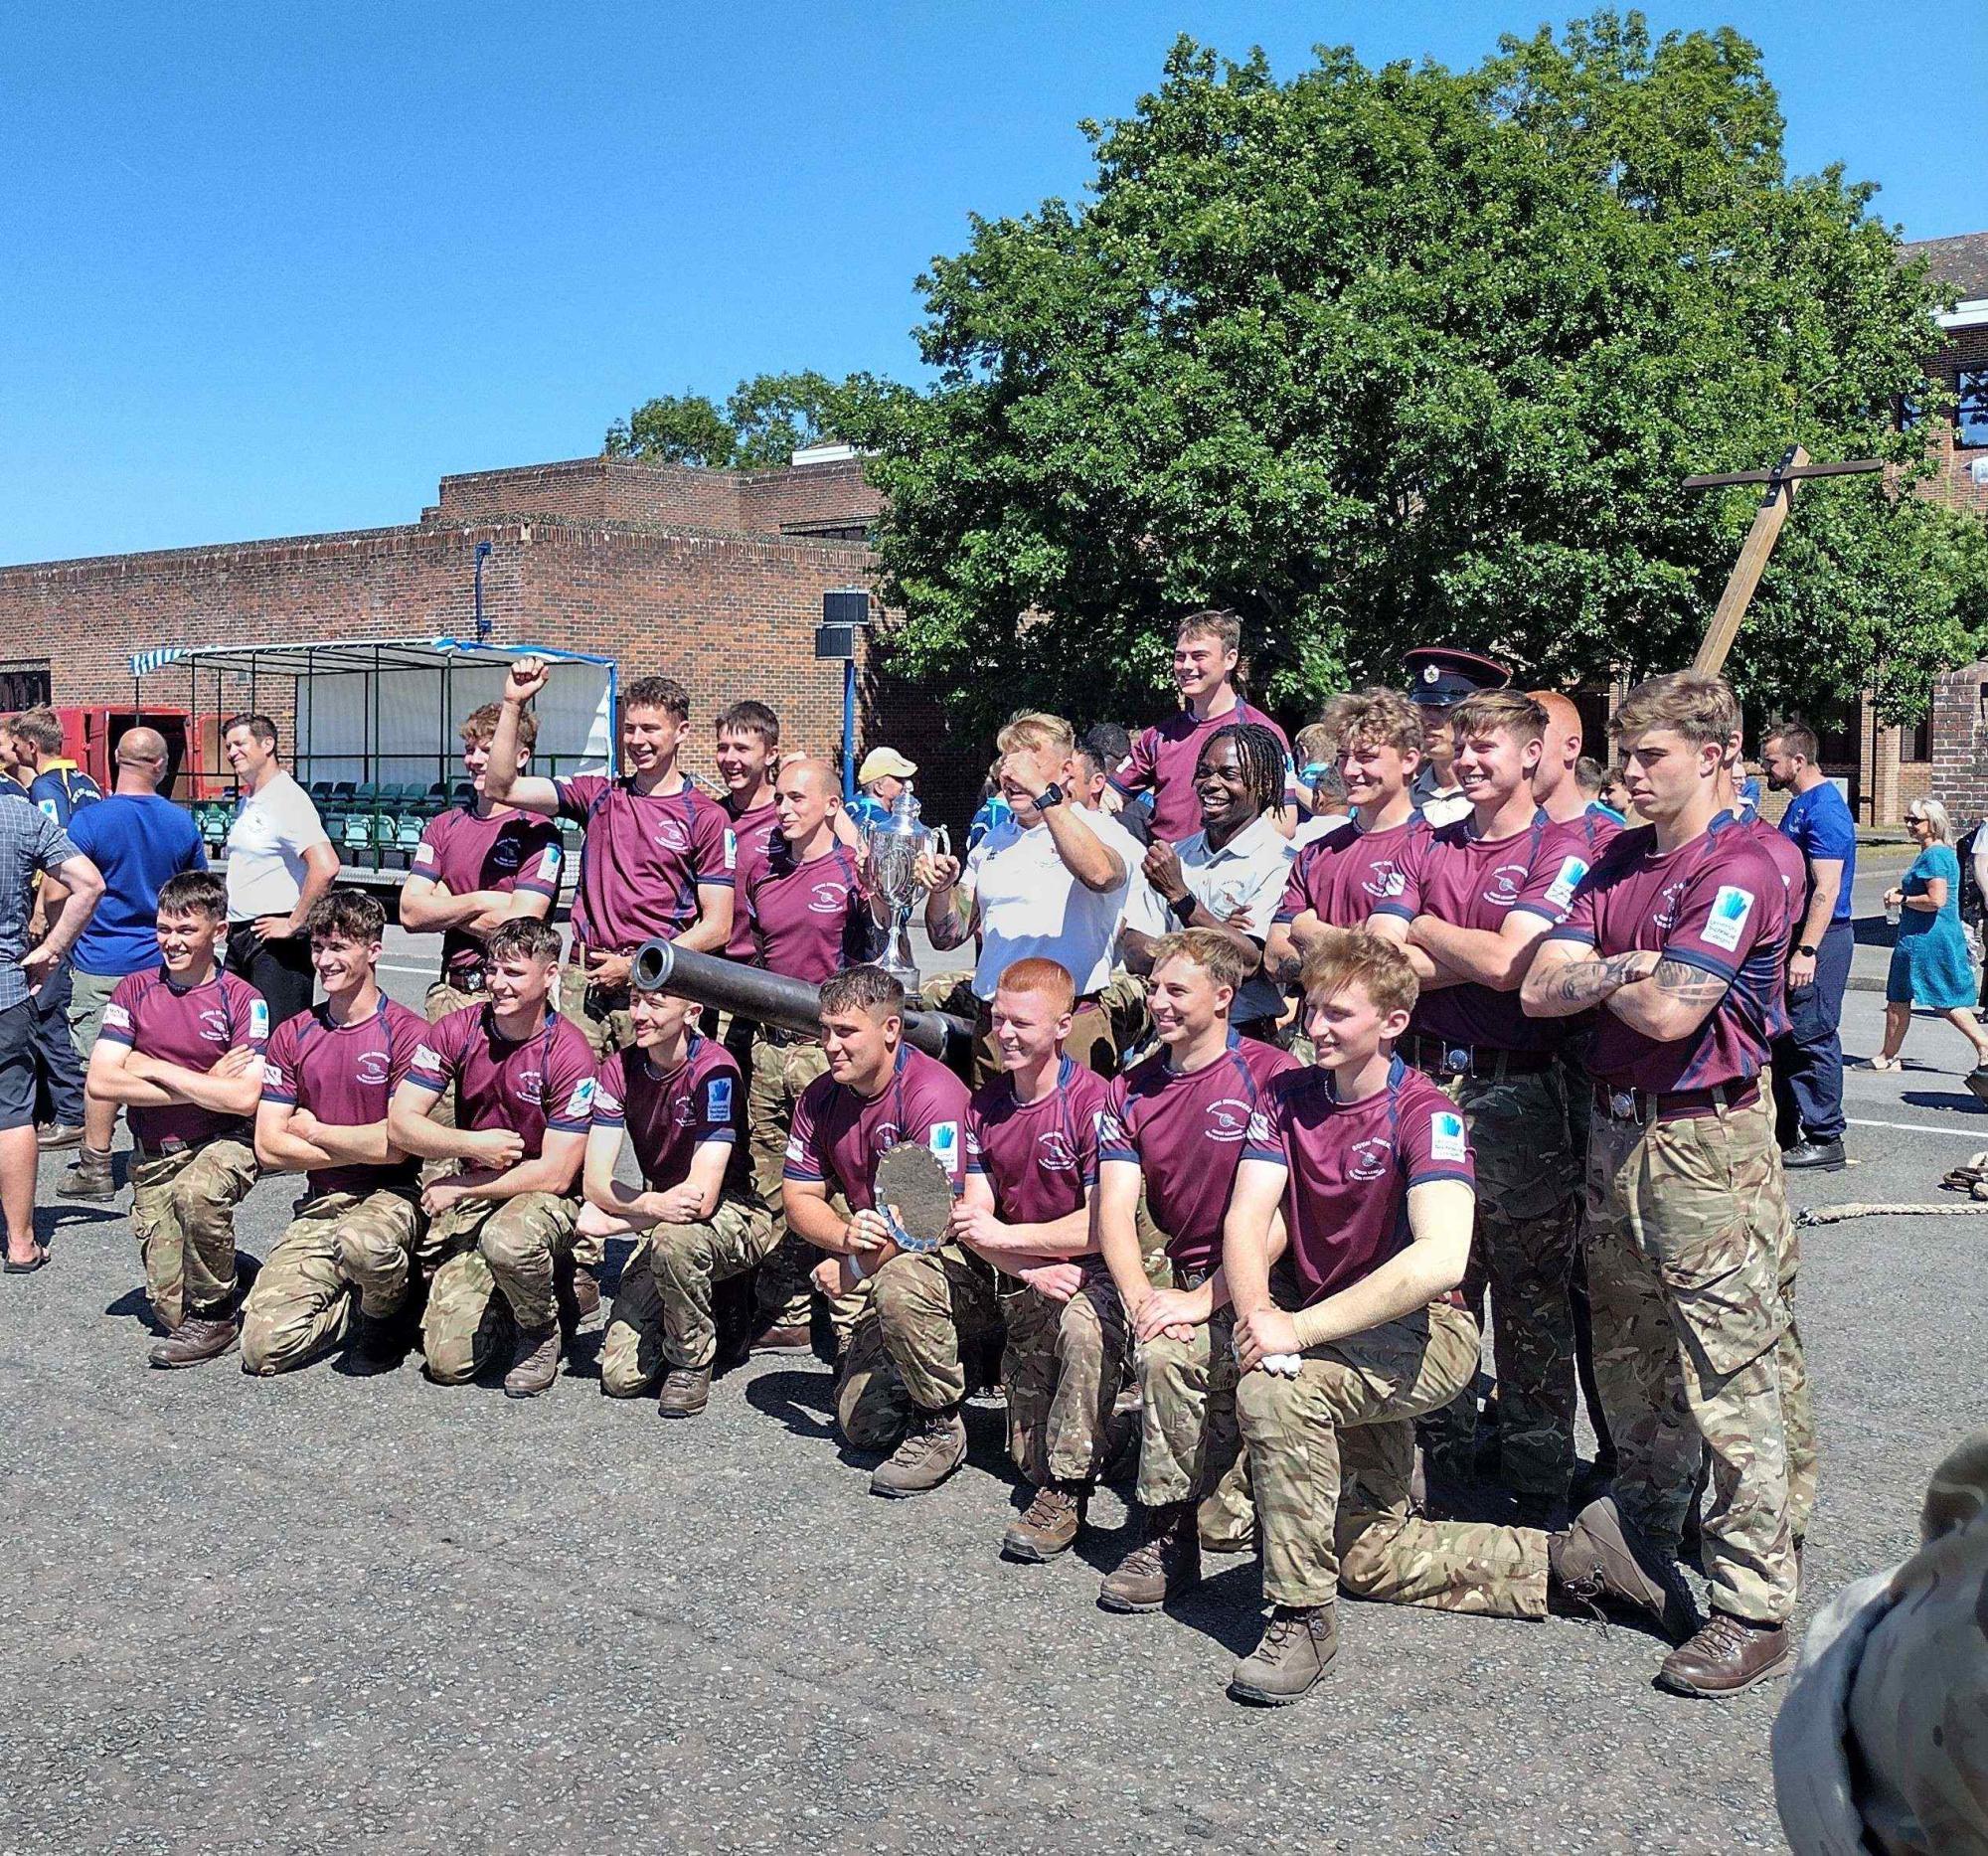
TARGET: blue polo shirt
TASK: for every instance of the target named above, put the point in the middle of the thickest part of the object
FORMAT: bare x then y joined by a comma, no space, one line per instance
138,841
1819,821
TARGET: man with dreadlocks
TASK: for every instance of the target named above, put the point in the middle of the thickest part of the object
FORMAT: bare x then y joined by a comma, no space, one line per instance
1230,874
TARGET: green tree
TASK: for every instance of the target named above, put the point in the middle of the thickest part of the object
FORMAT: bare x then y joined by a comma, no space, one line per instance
678,428
765,421
1389,356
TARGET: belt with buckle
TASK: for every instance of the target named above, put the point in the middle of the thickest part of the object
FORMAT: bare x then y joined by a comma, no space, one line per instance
465,980
1646,1105
780,1037
1435,1058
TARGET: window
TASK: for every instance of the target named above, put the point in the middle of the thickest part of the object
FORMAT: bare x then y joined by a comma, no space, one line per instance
1919,745
23,686
1971,416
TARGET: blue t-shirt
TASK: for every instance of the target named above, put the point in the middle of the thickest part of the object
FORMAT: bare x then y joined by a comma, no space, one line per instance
1819,823
138,841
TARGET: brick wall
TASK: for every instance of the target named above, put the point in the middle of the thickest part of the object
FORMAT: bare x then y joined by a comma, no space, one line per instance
1960,743
806,494
1953,485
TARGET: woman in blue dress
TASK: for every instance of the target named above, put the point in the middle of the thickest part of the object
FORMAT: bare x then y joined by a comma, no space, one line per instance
1931,965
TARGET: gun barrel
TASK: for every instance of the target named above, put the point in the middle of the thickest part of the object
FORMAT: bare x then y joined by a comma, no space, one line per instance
770,998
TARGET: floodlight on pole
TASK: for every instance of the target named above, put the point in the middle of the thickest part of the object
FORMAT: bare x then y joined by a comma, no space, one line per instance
844,612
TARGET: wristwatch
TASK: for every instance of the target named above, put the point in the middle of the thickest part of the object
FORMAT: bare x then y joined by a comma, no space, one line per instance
1052,795
1806,949
1182,909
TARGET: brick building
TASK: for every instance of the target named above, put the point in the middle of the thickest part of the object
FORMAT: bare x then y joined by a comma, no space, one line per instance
713,577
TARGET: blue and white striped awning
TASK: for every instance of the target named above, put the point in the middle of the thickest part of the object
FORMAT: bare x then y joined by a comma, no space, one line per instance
143,662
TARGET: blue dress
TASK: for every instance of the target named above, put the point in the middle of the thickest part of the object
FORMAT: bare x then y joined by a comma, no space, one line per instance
1929,963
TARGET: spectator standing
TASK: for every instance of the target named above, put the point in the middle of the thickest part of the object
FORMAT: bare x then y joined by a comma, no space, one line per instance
31,843
1929,963
280,862
1809,1061
884,774
53,782
138,842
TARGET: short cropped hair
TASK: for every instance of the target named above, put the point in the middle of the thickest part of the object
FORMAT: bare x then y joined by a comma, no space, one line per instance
1702,709
1375,718
1314,742
480,725
522,939
1213,951
750,718
260,728
39,729
1032,729
1589,775
1109,741
1217,624
194,893
1795,738
1341,957
346,916
863,989
1499,711
664,693
1050,978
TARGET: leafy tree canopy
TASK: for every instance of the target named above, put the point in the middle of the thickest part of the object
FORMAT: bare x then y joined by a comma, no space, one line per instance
1382,357
764,421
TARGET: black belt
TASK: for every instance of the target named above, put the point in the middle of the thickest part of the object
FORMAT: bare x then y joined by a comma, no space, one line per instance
1434,1058
1647,1105
782,1036
465,978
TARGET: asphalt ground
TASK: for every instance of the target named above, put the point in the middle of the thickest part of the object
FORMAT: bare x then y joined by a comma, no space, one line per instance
323,1613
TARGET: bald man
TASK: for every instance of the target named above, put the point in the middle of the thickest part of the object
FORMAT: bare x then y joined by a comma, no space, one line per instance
139,841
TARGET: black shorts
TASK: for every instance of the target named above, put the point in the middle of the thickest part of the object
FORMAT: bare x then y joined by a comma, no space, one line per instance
17,1066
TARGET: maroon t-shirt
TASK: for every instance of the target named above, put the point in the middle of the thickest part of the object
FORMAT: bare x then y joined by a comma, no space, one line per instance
1475,883
644,857
1350,874
1351,1165
752,832
1163,757
1184,1132
1711,904
669,1115
345,1076
808,921
838,1134
193,1027
1037,1156
542,1082
507,851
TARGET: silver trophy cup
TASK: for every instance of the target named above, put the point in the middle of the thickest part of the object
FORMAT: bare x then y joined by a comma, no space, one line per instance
894,846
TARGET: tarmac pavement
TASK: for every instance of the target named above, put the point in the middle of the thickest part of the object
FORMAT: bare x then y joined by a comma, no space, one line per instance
327,1614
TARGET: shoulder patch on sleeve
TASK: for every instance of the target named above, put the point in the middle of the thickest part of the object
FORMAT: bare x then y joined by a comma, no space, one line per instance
1571,870
1728,919
1445,1134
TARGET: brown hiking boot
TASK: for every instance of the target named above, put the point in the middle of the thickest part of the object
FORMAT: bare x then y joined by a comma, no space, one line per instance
51,1135
1728,1655
1049,1525
1603,1557
778,1340
1162,1566
933,1447
1298,1646
685,1392
536,1363
199,1337
88,1176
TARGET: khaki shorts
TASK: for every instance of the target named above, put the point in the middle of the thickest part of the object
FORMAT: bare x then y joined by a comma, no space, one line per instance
88,994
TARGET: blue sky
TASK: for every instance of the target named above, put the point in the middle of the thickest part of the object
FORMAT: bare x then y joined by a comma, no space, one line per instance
270,270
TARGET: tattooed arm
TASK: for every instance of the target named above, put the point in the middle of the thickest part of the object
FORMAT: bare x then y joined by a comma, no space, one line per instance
1679,998
1567,978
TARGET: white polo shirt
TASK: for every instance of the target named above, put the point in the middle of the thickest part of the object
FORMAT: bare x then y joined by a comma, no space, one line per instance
273,829
1031,907
1249,871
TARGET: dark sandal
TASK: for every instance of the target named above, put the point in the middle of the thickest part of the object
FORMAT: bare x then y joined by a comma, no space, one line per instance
11,1268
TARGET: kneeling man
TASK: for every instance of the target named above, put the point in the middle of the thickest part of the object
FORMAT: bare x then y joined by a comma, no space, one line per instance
503,1220
1370,1163
680,1100
902,1381
328,1076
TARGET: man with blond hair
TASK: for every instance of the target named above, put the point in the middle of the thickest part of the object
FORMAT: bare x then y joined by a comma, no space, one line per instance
1049,884
1673,937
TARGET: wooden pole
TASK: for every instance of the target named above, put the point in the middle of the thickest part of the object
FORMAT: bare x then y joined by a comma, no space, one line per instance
1746,570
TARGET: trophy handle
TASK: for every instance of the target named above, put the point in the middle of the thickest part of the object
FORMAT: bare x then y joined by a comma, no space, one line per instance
943,844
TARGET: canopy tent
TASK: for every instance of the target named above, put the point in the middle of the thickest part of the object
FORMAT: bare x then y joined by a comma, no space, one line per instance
385,710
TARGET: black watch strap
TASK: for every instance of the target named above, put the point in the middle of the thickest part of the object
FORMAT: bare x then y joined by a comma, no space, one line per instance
1182,909
1052,795
1807,949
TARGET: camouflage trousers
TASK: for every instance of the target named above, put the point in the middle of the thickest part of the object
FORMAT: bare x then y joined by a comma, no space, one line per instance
1684,1280
302,1300
1528,1217
1065,1366
1124,1003
780,1070
182,1215
1190,1448
1790,1364
601,1012
904,1351
1331,1453
662,1315
489,1264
